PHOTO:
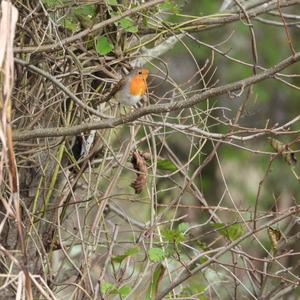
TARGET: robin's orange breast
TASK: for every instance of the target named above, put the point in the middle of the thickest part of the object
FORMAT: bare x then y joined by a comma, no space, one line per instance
137,86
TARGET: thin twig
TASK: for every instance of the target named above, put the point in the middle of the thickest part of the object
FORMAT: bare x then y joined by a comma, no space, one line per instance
158,108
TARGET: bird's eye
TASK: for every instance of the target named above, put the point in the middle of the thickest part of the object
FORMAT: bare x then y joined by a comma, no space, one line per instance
140,72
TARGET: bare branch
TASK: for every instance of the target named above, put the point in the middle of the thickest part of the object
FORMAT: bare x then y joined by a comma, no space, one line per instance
159,108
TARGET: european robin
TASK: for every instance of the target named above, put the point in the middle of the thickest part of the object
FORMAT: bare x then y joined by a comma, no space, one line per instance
131,88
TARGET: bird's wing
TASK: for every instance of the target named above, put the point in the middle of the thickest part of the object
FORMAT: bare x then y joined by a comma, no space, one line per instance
115,89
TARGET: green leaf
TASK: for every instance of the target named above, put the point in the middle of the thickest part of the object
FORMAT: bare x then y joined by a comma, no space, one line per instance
202,260
156,254
106,288
129,252
103,46
169,6
124,290
182,227
86,14
145,21
155,280
87,10
111,2
113,14
118,258
70,24
109,289
173,235
165,164
231,232
128,25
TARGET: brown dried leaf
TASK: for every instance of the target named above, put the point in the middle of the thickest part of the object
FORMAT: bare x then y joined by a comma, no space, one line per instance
139,165
275,236
285,151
